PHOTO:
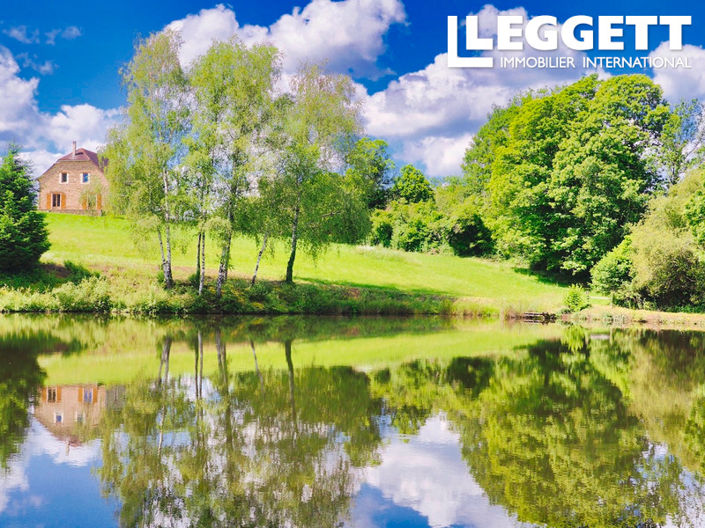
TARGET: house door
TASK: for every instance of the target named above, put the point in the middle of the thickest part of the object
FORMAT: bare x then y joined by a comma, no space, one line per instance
56,201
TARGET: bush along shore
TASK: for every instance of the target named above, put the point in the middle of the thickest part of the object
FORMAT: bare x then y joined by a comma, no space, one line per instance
71,288
82,291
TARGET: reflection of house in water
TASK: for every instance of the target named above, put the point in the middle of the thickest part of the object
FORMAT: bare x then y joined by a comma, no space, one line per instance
71,412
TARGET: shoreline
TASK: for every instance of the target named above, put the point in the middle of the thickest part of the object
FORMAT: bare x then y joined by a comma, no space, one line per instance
97,296
621,317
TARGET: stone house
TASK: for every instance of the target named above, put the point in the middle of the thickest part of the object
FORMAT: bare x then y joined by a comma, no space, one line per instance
75,183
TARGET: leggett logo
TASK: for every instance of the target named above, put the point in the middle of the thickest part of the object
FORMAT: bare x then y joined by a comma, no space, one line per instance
542,33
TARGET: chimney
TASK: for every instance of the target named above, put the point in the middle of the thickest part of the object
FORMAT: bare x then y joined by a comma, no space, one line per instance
74,150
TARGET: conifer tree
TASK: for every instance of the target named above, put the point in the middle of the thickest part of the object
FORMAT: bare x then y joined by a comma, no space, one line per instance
23,233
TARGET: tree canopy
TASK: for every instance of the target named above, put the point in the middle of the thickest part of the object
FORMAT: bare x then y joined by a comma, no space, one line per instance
562,173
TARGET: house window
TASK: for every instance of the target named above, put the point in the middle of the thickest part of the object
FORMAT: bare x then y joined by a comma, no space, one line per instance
85,177
56,200
80,417
87,395
51,394
58,418
64,178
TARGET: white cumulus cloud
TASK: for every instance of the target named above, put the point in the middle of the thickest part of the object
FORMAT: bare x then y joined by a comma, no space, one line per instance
440,154
432,114
681,83
44,136
427,473
348,35
23,34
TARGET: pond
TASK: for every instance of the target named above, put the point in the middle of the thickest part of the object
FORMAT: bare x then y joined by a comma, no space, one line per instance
358,422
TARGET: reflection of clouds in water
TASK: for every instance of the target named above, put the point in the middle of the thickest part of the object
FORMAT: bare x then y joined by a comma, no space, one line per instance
38,442
41,442
428,474
691,503
14,478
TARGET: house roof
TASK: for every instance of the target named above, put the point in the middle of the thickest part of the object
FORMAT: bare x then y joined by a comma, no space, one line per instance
81,155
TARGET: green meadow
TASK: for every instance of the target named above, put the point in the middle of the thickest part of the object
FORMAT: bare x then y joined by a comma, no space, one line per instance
106,244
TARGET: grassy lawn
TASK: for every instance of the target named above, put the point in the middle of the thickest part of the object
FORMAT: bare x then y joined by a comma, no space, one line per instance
105,244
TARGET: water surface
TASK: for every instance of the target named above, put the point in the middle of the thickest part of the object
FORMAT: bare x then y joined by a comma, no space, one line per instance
348,422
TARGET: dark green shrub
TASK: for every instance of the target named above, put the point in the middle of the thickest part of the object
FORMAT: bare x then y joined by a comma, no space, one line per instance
418,227
467,233
382,228
614,273
669,272
260,292
412,235
677,277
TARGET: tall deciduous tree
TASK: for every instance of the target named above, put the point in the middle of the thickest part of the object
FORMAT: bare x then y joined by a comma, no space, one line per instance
562,173
412,186
317,206
604,173
232,102
145,153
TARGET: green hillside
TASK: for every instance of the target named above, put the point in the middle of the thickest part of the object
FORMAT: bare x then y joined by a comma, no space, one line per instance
105,244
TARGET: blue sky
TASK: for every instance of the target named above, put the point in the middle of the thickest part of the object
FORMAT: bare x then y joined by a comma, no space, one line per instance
59,63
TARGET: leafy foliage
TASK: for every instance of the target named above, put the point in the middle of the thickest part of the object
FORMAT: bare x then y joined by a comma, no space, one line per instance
613,274
229,125
683,139
145,151
418,226
660,264
467,233
561,174
369,160
576,299
421,218
315,206
412,186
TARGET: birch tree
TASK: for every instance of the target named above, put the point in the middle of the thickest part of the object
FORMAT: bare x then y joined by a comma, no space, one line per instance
145,152
316,206
231,85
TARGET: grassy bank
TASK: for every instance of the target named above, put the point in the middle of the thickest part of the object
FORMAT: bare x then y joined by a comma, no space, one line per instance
344,280
618,316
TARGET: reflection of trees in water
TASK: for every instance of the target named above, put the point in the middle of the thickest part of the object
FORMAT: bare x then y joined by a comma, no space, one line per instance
551,439
558,434
551,435
270,448
20,381
666,372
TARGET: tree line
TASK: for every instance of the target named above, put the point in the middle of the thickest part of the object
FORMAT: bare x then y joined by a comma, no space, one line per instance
569,180
562,177
230,146
222,148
